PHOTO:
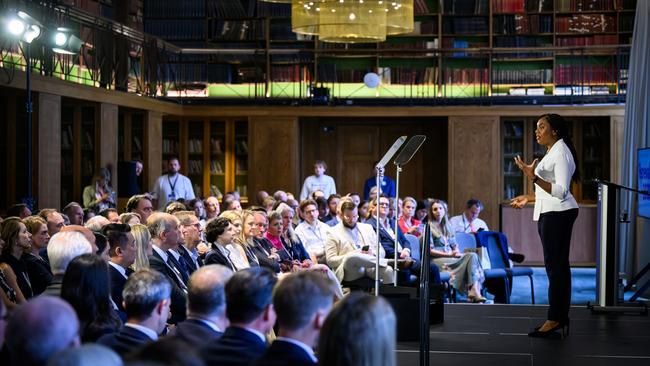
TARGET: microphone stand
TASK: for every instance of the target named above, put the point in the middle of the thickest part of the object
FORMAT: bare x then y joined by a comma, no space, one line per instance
398,169
424,295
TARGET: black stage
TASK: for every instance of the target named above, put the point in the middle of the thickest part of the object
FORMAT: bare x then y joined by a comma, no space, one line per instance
487,335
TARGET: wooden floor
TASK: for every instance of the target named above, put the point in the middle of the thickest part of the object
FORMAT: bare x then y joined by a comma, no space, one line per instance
497,335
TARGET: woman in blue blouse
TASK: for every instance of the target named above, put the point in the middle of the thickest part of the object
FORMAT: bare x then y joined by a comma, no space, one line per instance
555,212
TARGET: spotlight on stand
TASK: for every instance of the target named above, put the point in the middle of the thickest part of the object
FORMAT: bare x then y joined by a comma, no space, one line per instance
65,42
24,27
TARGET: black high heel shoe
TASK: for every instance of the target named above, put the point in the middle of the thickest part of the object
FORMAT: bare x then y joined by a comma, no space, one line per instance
562,326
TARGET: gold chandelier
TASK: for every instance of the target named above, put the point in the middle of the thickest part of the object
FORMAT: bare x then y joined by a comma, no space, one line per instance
351,21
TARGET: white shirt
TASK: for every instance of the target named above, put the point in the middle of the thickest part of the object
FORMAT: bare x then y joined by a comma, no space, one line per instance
460,224
167,189
305,347
313,237
324,183
557,168
119,268
236,257
147,331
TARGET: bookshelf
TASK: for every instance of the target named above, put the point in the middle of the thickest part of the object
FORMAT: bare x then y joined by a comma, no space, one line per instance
590,137
213,152
79,138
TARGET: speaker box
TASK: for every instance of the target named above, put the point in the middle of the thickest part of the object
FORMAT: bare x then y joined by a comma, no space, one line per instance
406,304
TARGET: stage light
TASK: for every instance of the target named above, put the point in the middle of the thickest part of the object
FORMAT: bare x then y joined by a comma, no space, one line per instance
66,42
24,27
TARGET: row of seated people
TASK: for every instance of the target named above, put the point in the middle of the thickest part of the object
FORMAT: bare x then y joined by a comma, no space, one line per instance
250,317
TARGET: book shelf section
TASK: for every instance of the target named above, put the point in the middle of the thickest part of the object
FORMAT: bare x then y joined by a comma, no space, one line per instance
79,129
589,135
213,153
459,48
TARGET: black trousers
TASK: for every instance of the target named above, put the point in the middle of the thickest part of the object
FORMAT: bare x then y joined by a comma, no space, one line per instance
555,231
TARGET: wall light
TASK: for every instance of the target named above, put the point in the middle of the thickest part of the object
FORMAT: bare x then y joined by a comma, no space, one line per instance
24,27
65,42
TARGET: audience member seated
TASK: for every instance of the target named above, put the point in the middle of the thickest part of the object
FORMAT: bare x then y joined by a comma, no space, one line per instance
86,355
290,255
191,232
17,241
350,249
466,272
268,203
212,208
231,204
9,289
237,252
260,196
312,231
251,315
260,246
167,351
39,329
75,213
323,208
220,234
62,249
407,265
360,330
319,181
468,221
197,206
175,206
102,246
144,248
290,239
301,302
38,269
245,238
363,207
140,204
146,301
19,210
54,220
421,210
111,214
165,235
122,254
332,201
86,287
99,195
130,218
407,222
97,223
206,306
280,196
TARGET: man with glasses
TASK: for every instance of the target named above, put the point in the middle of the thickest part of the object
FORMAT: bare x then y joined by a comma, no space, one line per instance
191,232
350,248
312,231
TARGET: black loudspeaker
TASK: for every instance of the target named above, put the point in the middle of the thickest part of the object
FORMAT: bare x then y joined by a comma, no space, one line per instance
127,184
406,304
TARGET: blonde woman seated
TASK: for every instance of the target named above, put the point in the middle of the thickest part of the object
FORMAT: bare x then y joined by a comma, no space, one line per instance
143,246
466,271
237,252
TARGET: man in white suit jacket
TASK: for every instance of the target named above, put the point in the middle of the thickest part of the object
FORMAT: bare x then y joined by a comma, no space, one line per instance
344,249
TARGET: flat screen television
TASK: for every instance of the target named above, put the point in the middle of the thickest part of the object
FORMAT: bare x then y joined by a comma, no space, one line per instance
643,174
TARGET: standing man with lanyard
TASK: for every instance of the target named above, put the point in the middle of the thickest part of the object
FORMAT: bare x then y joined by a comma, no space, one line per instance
171,186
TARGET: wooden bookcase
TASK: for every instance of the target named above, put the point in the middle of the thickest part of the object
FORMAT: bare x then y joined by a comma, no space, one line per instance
79,148
213,152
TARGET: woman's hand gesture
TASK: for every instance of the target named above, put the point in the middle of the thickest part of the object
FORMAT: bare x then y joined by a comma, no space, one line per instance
519,201
528,169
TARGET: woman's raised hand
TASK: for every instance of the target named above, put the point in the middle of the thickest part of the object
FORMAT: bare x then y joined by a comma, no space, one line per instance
528,169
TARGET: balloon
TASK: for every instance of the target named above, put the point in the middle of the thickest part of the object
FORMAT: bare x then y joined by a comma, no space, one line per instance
371,80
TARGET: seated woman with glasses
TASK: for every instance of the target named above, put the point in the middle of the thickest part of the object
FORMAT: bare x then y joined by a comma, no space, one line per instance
466,271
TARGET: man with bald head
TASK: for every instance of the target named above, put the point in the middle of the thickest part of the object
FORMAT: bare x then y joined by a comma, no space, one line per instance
206,306
212,208
40,328
54,220
75,213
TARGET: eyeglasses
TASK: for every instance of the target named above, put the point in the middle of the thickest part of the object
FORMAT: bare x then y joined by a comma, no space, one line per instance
383,204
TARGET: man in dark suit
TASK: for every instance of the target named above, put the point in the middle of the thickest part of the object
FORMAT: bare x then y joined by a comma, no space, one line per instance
302,301
165,236
206,306
407,265
122,251
251,316
146,302
191,230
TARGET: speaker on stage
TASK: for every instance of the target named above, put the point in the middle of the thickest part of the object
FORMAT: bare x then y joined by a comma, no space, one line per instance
406,302
127,184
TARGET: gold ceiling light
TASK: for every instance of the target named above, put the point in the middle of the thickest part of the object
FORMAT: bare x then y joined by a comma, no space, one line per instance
351,21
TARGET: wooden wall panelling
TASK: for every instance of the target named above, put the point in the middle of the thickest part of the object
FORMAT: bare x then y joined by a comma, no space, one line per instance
274,148
152,149
616,140
435,159
107,141
521,231
474,165
357,147
47,171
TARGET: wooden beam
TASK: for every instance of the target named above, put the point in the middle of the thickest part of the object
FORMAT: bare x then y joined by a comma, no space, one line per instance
152,149
48,175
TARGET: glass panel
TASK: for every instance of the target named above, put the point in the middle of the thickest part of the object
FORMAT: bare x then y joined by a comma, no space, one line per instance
513,145
241,158
592,158
195,155
87,145
170,137
67,155
217,158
